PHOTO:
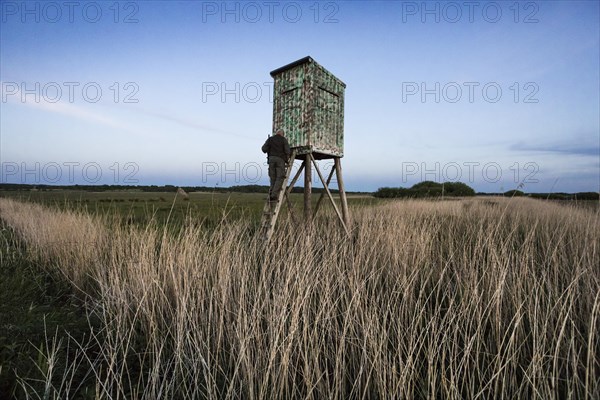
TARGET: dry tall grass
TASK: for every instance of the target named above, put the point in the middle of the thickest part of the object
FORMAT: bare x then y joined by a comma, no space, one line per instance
459,299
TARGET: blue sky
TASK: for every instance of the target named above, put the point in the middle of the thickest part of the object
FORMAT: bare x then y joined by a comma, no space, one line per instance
494,94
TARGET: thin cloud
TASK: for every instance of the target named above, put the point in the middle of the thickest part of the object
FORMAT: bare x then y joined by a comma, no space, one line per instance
191,124
74,111
592,149
71,110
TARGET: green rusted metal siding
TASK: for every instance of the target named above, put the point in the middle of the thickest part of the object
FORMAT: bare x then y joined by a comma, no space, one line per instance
308,104
289,102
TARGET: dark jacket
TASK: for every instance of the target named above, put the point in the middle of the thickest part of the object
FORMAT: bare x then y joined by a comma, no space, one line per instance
277,146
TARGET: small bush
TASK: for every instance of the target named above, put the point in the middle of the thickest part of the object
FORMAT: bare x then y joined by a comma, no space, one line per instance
427,189
514,193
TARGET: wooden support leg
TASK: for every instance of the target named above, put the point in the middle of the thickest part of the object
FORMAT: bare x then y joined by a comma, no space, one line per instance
307,188
288,191
340,180
331,198
323,193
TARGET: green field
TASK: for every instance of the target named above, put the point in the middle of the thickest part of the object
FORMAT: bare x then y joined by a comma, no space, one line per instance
140,207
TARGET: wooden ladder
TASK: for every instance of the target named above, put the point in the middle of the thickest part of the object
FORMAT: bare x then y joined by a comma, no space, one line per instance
272,208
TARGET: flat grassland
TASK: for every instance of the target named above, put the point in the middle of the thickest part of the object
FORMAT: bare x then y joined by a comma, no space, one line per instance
141,207
469,298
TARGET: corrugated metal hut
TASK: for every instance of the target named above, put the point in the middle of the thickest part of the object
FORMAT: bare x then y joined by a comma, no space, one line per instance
308,104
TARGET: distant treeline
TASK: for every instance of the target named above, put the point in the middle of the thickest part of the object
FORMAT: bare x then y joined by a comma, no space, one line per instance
459,189
555,196
420,190
155,188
